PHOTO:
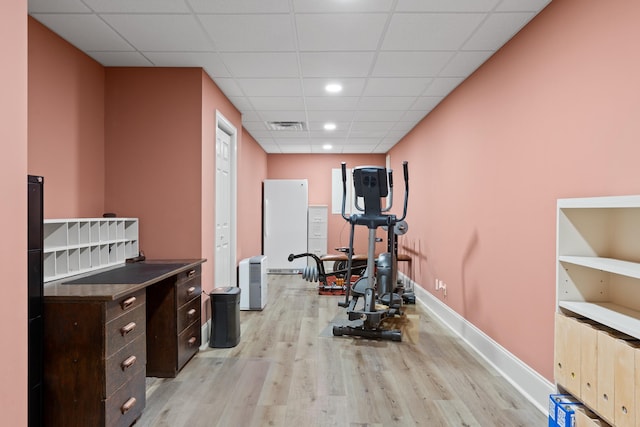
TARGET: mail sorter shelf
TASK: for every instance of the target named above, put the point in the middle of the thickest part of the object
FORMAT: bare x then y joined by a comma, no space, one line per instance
80,245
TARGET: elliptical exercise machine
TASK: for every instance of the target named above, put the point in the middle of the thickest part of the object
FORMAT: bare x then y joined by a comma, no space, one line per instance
377,287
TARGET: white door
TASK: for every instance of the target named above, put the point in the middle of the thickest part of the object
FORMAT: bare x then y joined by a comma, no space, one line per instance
223,210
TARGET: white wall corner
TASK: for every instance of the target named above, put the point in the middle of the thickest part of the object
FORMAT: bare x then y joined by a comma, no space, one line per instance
533,386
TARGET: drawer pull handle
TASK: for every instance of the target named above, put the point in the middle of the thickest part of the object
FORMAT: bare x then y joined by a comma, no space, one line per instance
128,362
191,341
191,290
128,405
191,312
191,273
128,302
127,328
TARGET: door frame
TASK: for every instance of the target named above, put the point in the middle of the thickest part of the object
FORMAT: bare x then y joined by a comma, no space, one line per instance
224,125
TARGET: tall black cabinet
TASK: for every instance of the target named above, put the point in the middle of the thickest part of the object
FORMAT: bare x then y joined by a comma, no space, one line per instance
36,307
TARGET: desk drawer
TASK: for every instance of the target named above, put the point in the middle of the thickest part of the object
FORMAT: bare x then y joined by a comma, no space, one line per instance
188,343
188,290
127,403
122,366
189,313
124,330
125,304
186,275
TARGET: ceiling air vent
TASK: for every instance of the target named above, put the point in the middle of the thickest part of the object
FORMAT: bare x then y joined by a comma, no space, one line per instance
294,126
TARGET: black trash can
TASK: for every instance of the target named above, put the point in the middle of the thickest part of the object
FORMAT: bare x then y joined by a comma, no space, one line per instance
225,317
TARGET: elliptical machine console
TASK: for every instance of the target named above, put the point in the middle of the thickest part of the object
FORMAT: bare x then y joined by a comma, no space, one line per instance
377,287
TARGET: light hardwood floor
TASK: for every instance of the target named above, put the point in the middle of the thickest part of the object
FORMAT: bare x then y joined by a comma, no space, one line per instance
288,370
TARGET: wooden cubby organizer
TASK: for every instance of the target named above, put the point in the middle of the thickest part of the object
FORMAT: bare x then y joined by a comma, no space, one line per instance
597,330
80,245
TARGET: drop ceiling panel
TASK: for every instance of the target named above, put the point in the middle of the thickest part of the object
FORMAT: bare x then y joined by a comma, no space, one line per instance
522,5
284,116
386,102
446,5
396,86
270,87
59,6
330,116
350,86
442,86
324,32
229,87
410,64
395,59
236,6
336,64
250,33
497,30
160,32
268,103
430,31
138,6
211,62
374,117
342,129
87,32
342,6
260,64
374,127
121,59
426,103
465,63
332,102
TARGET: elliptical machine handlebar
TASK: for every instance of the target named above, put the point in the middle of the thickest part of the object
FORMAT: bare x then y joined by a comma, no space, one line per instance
344,190
405,170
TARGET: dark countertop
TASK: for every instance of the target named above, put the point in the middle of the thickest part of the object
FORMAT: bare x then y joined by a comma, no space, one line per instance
114,283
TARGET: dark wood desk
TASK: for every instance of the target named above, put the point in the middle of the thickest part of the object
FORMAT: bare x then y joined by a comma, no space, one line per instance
105,332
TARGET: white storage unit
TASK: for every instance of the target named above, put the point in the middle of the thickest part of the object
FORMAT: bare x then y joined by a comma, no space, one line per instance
285,223
598,300
252,274
317,240
79,245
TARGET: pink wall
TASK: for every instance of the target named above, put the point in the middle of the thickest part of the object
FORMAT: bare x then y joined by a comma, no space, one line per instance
252,170
317,169
66,125
13,190
554,114
153,156
213,100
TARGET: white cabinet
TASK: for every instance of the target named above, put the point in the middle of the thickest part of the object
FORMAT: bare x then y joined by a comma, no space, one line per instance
598,300
317,238
284,228
79,245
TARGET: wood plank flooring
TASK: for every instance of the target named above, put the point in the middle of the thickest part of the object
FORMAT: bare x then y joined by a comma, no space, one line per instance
288,370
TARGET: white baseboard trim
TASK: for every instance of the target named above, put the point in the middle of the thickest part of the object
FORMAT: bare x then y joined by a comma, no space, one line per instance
204,331
533,386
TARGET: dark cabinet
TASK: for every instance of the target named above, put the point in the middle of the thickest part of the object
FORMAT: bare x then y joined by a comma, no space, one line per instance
35,280
95,368
173,322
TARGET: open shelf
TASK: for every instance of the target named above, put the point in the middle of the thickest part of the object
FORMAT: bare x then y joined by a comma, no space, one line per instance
608,314
610,265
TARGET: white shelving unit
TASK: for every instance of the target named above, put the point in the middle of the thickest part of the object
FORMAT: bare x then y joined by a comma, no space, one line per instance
598,298
79,245
598,265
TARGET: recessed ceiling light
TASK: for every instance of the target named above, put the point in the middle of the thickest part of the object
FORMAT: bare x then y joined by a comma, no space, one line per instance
333,88
329,126
327,146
